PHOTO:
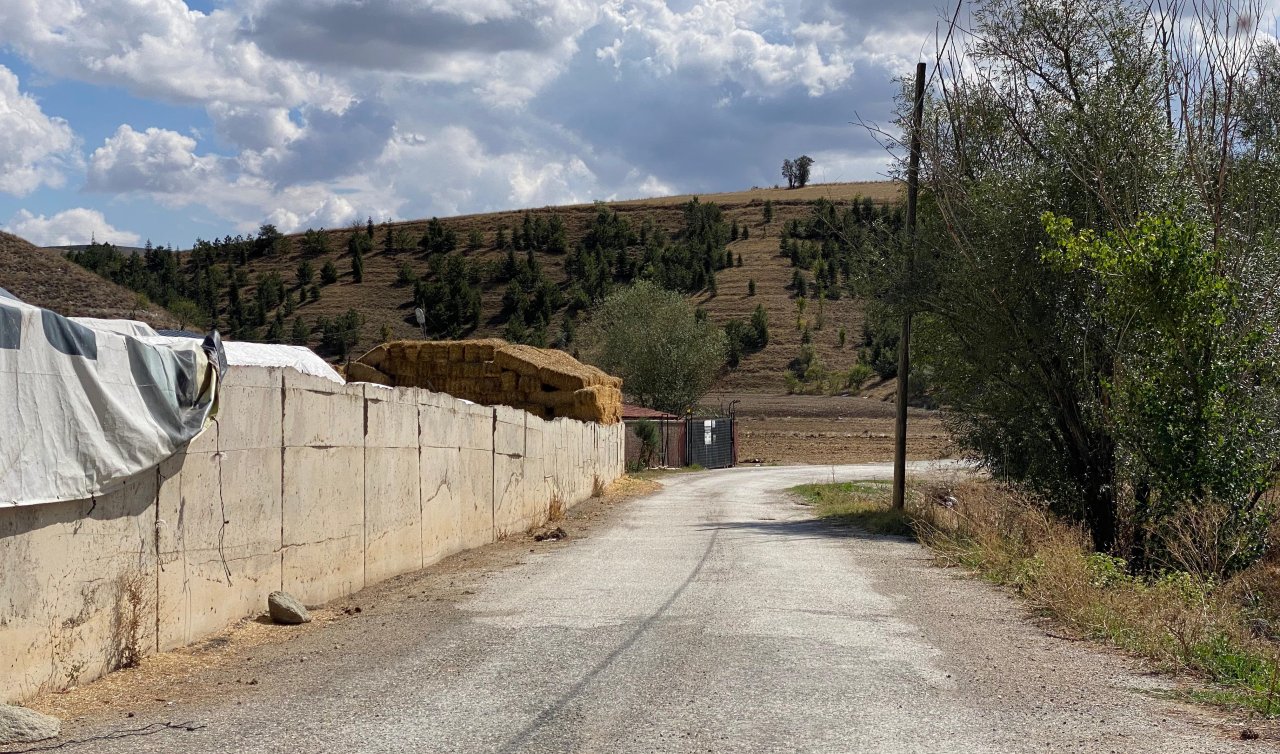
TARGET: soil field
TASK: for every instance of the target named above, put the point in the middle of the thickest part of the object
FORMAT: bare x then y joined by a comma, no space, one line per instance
819,429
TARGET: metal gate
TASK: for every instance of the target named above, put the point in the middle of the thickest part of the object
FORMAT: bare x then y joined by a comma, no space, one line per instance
710,442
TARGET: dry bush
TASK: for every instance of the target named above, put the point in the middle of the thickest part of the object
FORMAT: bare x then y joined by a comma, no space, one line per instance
1182,618
132,607
555,508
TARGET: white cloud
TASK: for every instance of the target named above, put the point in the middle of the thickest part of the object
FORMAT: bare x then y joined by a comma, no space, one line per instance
158,48
155,160
255,128
69,227
34,148
745,42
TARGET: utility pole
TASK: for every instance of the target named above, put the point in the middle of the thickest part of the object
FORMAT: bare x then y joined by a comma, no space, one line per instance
904,342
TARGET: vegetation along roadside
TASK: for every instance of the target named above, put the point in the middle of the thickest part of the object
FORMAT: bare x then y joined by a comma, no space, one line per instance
1222,631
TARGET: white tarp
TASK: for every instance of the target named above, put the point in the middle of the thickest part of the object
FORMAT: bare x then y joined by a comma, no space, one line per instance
239,354
86,404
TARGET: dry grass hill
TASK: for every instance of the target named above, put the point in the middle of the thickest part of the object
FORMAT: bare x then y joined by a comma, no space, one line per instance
42,277
381,301
775,427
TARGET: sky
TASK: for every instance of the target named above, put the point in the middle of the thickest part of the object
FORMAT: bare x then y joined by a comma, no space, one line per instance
135,120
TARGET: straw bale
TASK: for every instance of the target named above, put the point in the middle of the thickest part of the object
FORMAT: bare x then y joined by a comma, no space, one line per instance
552,398
545,382
358,372
515,358
561,380
375,357
480,351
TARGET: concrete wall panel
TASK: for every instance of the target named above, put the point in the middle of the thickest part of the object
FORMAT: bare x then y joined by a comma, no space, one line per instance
391,417
78,594
318,413
392,513
323,529
219,542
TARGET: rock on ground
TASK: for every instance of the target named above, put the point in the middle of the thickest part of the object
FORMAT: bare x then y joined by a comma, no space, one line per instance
19,725
285,608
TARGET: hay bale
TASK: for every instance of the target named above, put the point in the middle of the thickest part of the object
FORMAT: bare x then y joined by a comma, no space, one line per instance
545,382
375,357
359,372
517,359
561,380
480,351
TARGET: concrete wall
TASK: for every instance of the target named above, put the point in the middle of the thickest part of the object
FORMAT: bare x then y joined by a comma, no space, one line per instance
300,484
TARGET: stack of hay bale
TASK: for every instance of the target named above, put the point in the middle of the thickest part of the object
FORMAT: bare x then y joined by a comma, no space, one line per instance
542,381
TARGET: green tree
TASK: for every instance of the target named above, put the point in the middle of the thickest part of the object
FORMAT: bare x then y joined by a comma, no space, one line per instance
802,166
751,287
188,314
1056,341
475,239
650,337
328,273
340,335
768,211
315,242
305,273
760,326
301,333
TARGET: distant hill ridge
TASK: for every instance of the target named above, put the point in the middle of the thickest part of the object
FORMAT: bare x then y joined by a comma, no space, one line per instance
384,300
42,277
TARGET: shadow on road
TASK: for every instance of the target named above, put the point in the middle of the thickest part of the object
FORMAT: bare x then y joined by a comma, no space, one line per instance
806,528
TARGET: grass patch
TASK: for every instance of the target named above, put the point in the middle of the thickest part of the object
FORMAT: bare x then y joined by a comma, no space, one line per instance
865,505
1224,633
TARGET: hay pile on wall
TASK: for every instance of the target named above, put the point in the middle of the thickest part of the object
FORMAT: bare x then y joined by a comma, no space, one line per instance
545,382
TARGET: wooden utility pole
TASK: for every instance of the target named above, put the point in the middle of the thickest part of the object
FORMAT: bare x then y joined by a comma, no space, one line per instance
904,342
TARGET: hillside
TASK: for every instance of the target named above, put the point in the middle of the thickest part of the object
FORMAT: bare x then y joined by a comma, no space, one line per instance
42,277
381,301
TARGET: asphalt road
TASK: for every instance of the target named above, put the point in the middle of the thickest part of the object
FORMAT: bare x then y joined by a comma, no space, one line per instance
713,616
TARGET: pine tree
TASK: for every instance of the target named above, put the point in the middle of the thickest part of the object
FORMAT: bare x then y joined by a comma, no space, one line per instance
751,287
300,332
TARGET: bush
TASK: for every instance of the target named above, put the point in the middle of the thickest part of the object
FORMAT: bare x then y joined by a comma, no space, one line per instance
647,433
858,374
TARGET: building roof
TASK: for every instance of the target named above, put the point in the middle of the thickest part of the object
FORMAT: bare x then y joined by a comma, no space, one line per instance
640,412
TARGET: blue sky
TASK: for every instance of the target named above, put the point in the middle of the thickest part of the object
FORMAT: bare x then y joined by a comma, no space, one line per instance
157,119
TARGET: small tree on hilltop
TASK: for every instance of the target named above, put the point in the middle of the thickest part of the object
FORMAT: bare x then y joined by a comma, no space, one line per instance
789,172
801,166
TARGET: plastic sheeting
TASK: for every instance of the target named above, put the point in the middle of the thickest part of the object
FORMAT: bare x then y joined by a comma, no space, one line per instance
84,405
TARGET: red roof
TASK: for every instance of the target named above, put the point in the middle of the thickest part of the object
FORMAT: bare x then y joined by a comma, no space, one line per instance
640,412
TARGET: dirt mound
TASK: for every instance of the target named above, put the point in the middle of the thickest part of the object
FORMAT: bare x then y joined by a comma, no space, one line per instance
545,382
42,277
